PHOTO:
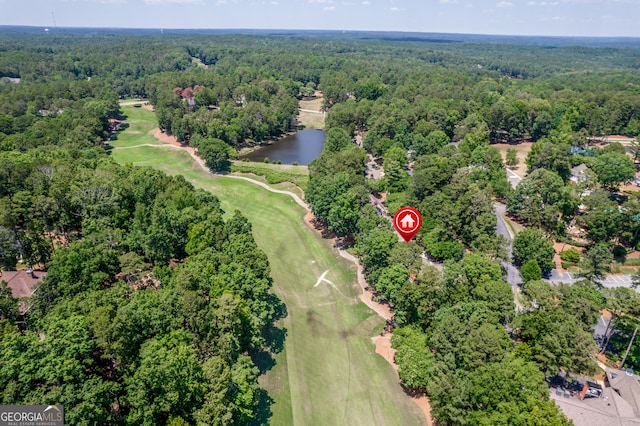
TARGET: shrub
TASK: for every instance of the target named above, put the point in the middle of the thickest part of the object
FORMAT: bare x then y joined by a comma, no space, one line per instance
572,255
619,251
266,160
530,271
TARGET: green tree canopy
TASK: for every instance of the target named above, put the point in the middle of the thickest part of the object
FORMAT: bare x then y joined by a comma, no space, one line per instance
614,168
532,244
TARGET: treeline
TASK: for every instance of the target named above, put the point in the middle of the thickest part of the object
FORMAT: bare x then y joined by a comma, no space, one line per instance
236,109
521,92
453,340
152,305
460,338
73,114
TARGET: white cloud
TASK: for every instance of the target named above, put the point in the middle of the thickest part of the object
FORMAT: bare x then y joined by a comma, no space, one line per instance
366,2
631,2
504,4
555,19
94,1
154,2
329,8
320,1
449,1
532,3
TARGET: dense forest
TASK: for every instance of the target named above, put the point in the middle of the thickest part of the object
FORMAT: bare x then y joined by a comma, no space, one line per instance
154,305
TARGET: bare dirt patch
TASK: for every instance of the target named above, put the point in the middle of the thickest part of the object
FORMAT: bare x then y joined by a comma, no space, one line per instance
384,349
559,248
165,138
522,150
630,188
172,140
321,228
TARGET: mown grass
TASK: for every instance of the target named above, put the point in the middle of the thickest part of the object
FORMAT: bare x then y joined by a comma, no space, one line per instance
139,122
328,372
311,120
275,173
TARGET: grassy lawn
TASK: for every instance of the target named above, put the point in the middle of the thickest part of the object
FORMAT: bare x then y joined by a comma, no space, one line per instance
140,121
328,372
275,173
311,120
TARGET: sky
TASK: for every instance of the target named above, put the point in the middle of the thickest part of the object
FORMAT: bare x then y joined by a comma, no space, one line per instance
608,18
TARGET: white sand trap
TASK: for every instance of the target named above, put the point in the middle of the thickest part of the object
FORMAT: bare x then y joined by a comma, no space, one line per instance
322,278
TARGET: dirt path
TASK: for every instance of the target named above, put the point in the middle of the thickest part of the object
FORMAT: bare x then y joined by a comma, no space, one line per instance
366,296
384,349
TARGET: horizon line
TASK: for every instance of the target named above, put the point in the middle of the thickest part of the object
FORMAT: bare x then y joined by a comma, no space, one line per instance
298,30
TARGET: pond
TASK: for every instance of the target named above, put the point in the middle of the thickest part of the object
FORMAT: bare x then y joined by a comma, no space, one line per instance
302,147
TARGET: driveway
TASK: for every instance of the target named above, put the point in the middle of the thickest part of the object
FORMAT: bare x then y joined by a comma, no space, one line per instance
512,273
513,178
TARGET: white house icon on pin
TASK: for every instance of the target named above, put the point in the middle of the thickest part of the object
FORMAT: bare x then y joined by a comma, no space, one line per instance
407,221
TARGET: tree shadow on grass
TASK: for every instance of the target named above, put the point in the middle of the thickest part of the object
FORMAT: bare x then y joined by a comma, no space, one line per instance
274,337
263,410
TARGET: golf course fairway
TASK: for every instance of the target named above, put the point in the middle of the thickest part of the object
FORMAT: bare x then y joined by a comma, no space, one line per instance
328,372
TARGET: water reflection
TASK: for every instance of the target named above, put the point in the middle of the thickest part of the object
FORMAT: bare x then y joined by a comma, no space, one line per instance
301,147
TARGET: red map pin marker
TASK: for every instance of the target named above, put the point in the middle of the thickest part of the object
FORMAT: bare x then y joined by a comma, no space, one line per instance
407,222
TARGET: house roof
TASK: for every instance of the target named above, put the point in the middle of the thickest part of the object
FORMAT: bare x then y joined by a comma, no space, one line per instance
610,410
21,283
627,385
579,170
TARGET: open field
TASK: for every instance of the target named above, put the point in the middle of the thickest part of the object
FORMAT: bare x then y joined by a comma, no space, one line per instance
328,372
275,173
310,115
522,150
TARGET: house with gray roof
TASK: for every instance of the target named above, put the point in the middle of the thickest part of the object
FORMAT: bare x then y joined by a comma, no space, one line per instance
626,384
579,173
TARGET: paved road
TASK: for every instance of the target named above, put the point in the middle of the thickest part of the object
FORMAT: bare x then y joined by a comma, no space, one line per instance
602,328
382,210
610,281
513,274
513,178
371,171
